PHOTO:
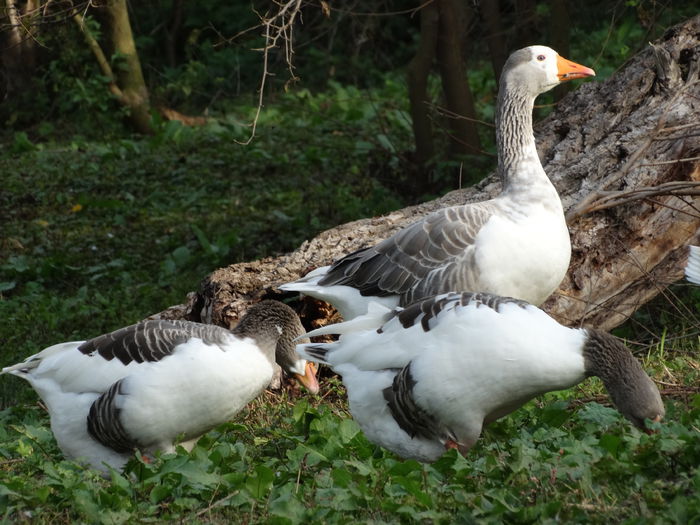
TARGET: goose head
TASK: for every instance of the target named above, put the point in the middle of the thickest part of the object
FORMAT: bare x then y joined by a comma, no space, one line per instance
275,328
540,68
632,391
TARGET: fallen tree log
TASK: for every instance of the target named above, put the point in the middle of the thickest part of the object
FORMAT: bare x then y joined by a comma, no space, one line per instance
624,155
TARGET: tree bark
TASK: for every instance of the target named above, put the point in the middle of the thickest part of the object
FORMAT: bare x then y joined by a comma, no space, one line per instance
526,33
173,31
559,24
417,74
495,35
18,46
625,157
458,96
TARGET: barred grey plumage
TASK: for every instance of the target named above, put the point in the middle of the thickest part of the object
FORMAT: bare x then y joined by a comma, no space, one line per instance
150,341
408,415
426,310
104,424
431,256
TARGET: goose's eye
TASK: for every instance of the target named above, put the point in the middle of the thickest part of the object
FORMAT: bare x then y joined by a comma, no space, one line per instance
540,57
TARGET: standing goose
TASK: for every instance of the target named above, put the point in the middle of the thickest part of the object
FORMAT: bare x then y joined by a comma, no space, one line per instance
692,268
516,244
149,384
429,377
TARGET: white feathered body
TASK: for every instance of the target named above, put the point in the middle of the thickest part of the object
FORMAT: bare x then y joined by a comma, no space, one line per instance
482,364
523,252
182,395
474,365
371,412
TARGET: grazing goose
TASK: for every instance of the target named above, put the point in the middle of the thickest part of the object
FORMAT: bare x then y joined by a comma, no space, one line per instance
149,384
430,376
516,244
692,268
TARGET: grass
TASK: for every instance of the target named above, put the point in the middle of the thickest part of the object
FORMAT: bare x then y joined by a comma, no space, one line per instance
98,235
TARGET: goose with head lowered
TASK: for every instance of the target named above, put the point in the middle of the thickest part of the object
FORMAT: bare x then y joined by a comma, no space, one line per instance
427,378
147,385
516,244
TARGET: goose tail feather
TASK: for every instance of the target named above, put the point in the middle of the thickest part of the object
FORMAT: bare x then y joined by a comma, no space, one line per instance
377,314
315,352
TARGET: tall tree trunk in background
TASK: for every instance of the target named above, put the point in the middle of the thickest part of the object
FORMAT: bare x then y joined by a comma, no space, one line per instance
172,32
623,155
442,35
134,94
559,25
525,28
417,74
458,96
18,46
490,13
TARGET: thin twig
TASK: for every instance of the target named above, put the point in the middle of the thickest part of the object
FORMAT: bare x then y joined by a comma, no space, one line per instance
676,161
12,461
602,200
279,26
680,126
217,503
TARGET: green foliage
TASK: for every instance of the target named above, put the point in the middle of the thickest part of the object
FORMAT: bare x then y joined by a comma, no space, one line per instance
314,464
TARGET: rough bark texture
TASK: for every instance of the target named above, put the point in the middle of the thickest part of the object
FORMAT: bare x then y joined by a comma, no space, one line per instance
417,75
464,137
490,12
18,40
559,29
607,143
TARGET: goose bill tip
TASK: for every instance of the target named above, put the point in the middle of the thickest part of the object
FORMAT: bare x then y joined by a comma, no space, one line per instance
309,380
568,70
656,419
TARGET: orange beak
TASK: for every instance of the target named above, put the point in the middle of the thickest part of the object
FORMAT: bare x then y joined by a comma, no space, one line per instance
568,70
309,378
450,444
657,419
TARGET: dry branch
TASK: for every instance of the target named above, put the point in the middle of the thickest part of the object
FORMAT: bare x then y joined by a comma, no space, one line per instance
279,26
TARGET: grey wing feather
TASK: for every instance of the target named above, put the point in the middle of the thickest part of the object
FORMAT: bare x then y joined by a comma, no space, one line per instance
104,424
420,260
412,419
427,310
151,340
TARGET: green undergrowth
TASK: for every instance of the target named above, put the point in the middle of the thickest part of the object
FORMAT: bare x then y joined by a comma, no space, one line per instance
293,460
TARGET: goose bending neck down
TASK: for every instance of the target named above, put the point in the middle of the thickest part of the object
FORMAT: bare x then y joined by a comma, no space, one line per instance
429,377
146,385
516,244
